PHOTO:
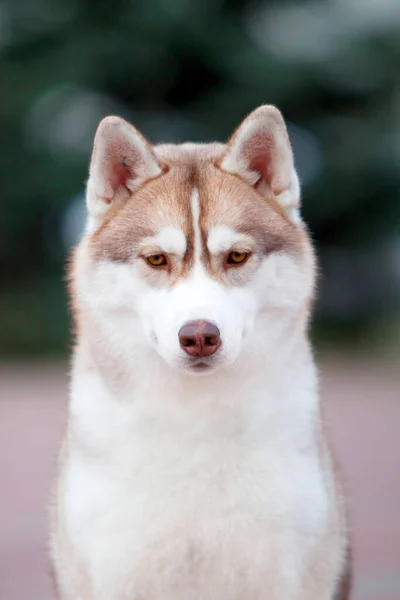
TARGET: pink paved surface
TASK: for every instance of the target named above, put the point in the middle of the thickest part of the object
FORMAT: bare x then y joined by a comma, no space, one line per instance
362,403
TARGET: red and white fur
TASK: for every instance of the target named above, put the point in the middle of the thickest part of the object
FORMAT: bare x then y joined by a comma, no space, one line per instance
183,479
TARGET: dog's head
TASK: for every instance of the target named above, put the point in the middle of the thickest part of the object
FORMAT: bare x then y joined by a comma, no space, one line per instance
196,253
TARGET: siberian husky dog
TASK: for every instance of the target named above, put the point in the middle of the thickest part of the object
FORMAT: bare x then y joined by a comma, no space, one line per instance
195,464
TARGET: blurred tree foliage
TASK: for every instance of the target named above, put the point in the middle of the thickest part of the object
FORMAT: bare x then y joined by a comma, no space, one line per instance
180,70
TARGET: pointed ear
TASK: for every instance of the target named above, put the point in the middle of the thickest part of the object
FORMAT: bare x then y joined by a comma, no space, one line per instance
260,153
122,160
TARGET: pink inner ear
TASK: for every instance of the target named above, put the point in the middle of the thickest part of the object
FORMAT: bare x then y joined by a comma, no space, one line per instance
121,159
119,175
258,152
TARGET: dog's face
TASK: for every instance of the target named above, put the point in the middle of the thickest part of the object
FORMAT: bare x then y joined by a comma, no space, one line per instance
195,252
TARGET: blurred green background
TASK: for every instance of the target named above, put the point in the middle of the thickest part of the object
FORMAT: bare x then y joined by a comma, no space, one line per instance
190,70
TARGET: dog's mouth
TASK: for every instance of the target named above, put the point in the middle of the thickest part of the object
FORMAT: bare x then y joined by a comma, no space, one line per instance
199,366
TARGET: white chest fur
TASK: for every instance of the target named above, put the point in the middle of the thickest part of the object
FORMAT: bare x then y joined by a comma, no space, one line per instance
175,500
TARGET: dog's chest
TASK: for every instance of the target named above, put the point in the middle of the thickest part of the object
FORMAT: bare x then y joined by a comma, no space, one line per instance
192,515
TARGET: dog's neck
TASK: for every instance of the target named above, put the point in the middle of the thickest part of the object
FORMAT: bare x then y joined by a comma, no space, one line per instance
258,397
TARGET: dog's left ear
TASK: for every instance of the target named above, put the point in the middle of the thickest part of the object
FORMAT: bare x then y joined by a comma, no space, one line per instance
260,153
122,160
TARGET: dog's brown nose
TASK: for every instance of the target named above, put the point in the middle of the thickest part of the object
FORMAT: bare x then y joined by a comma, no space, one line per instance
199,338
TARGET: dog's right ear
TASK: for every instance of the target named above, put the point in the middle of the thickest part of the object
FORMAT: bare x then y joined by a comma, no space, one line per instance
122,160
260,153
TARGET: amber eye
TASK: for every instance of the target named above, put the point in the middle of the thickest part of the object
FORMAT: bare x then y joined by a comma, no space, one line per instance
157,260
235,258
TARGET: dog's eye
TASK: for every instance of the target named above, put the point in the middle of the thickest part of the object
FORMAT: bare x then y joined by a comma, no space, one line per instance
236,258
157,260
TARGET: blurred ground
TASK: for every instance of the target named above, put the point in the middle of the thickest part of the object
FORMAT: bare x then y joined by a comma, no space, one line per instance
362,404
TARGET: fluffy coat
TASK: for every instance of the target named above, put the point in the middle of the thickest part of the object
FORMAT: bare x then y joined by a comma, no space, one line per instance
181,478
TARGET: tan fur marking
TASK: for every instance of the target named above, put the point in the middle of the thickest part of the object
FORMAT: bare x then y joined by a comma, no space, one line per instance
224,199
159,203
